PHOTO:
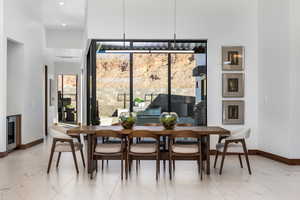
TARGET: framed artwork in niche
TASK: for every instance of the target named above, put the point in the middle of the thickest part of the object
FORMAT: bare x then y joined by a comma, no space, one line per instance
233,58
233,112
233,85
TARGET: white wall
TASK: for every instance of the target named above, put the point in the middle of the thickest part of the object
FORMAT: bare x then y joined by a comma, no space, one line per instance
66,39
274,67
230,22
279,53
22,24
2,81
15,71
295,81
49,61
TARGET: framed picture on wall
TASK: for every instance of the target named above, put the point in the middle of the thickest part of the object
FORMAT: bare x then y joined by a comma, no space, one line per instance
233,112
233,58
233,85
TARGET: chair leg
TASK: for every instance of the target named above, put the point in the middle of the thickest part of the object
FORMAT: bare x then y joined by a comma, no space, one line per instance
91,175
246,156
137,166
74,156
81,151
122,168
130,165
102,165
170,168
126,167
51,155
223,157
200,160
216,159
96,166
174,165
164,149
58,159
157,167
241,162
82,157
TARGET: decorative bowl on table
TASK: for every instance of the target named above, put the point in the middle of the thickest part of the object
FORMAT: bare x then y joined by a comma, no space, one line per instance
127,120
169,120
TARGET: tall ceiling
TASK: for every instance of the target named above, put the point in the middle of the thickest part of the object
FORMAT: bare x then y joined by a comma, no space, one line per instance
64,14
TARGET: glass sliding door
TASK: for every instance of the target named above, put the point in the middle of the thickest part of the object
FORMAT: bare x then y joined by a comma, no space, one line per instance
67,98
112,72
150,86
188,83
183,92
147,77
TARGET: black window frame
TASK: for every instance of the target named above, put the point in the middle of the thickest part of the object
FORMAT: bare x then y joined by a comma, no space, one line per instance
92,118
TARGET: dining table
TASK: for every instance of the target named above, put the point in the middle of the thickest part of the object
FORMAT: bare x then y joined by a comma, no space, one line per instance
203,131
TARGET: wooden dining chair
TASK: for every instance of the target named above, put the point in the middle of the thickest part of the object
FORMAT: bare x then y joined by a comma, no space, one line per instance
184,151
235,143
143,151
108,151
110,140
163,142
64,143
184,140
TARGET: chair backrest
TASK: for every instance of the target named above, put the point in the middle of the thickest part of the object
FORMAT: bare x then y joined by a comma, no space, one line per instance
184,134
243,133
143,134
59,135
184,125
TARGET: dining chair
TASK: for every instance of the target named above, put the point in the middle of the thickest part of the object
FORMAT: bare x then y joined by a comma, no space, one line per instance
110,140
184,140
180,151
163,142
64,143
108,151
143,151
235,143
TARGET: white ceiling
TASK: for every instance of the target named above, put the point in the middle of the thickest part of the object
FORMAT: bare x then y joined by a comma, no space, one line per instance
72,14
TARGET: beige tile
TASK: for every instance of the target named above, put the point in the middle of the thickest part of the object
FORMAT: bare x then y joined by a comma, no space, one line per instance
23,177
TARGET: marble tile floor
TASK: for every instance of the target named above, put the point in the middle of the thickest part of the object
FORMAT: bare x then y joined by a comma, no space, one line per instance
23,177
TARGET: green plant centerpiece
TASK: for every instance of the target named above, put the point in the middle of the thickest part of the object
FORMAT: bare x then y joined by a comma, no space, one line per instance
169,120
127,120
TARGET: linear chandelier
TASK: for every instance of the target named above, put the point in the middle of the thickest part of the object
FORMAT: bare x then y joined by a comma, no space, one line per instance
146,51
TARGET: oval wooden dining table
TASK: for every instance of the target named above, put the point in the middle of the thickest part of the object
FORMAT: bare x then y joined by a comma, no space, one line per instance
204,131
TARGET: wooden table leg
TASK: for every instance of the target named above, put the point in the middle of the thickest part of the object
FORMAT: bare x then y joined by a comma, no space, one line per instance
90,162
207,155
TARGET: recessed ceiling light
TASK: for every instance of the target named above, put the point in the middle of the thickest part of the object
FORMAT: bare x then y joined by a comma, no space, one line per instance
64,25
61,3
